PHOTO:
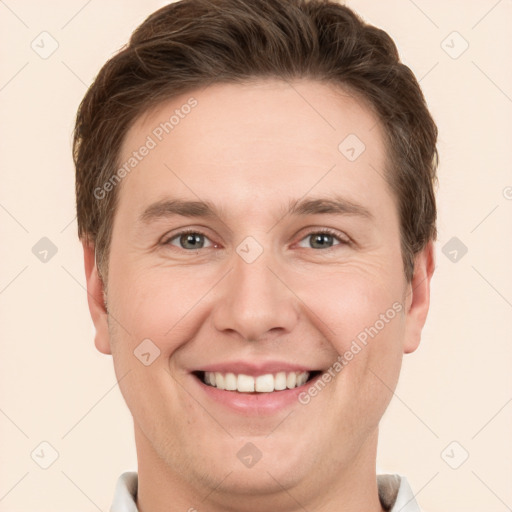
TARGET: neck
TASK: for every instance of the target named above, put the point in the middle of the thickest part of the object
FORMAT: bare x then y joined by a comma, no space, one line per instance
164,488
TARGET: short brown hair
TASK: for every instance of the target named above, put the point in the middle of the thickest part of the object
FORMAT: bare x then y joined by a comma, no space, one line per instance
193,43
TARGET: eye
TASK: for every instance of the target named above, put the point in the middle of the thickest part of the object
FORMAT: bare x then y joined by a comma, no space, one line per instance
324,238
189,240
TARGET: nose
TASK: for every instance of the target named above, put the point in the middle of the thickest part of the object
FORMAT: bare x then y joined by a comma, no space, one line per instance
255,301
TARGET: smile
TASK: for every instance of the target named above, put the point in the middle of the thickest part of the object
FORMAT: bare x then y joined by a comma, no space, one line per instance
266,383
254,388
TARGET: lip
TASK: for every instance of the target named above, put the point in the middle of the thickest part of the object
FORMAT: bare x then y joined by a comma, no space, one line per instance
253,404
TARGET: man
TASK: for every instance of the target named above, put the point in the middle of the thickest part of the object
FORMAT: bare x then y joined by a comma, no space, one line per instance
286,143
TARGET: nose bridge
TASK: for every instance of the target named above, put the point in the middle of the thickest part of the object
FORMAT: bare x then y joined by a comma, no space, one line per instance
254,300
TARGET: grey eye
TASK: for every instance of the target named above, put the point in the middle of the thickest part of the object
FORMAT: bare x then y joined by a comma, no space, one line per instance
321,240
189,240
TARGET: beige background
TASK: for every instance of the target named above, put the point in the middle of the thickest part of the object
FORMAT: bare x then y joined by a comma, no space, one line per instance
54,385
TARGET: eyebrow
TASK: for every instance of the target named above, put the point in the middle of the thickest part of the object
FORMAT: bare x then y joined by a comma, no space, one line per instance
300,207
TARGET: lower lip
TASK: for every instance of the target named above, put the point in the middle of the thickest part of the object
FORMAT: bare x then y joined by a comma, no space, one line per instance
255,403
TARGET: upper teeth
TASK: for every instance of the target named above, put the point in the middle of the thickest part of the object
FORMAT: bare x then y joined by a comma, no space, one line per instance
263,383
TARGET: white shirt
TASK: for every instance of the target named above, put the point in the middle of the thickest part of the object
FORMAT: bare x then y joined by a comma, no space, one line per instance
395,494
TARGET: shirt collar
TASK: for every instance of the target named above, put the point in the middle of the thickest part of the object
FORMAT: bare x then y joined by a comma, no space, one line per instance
395,494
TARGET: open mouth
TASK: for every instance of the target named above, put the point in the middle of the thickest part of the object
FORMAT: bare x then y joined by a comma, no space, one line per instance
267,383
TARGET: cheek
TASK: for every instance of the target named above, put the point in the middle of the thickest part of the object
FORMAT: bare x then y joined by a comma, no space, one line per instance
370,342
362,317
368,321
156,304
355,304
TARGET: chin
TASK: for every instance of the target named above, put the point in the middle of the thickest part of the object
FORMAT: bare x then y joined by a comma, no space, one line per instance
261,480
261,467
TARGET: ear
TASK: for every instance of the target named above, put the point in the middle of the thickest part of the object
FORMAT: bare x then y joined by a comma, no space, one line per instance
96,299
417,298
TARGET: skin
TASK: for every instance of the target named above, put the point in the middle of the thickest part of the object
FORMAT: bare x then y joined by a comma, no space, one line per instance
250,149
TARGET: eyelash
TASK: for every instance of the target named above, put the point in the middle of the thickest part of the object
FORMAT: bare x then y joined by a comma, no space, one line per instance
322,231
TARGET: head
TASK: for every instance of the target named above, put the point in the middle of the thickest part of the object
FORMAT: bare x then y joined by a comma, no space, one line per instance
297,152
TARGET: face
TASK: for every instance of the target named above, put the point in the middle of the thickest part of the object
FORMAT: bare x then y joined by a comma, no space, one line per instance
256,247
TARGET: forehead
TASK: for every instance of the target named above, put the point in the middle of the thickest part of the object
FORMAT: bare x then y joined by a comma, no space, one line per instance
250,142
